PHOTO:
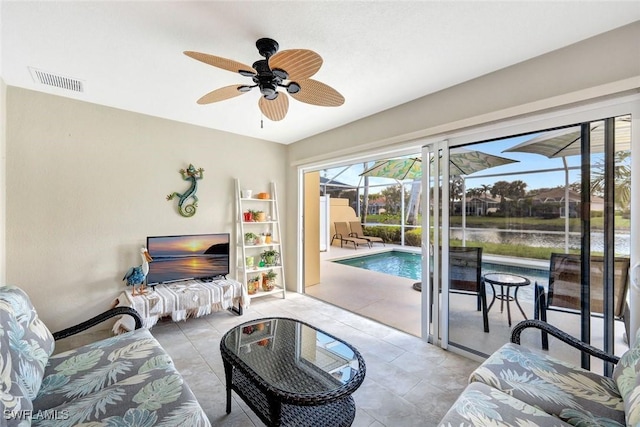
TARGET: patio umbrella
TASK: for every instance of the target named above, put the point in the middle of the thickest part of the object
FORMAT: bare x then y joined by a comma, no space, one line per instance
400,169
566,142
461,162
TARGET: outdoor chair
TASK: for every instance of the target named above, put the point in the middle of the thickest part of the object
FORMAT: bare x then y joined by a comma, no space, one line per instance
357,231
565,282
342,234
465,277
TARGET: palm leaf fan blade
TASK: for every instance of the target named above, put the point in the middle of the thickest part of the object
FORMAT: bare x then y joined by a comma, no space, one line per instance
275,109
221,94
224,63
317,93
298,63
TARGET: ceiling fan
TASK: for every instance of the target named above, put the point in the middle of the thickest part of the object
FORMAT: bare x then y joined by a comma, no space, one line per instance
283,72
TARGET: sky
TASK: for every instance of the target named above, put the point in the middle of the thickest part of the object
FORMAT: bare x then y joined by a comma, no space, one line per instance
526,162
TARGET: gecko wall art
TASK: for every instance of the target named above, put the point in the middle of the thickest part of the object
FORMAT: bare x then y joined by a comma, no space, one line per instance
192,175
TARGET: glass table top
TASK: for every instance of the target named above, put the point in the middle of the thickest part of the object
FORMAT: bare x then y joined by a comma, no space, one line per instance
294,356
506,279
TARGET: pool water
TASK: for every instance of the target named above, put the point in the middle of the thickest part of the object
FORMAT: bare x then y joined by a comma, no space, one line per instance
409,265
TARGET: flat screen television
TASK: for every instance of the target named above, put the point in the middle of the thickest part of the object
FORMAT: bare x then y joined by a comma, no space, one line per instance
196,256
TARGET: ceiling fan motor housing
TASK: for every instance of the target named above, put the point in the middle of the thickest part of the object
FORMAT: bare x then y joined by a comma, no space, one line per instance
266,79
267,47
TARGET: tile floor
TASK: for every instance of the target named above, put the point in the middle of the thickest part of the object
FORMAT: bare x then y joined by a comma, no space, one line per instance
408,382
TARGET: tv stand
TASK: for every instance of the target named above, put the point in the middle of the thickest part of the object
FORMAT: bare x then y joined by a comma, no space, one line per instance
183,299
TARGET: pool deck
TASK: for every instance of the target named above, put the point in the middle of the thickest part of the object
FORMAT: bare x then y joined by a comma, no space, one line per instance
391,300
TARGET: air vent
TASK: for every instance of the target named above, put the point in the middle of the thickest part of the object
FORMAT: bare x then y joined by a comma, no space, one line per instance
56,80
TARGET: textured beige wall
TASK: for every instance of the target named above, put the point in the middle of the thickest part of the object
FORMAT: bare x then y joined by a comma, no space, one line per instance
311,228
86,185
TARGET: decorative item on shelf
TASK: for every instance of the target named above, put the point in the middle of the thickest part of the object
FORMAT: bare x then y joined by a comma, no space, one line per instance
259,216
263,196
262,238
253,285
247,216
270,257
267,236
269,280
249,261
246,194
135,275
254,215
250,238
192,175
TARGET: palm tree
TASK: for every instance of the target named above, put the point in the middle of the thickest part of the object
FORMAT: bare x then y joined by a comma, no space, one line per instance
473,193
365,211
485,189
622,178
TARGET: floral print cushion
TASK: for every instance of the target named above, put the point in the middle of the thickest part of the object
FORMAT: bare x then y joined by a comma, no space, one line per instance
577,396
482,406
627,376
125,380
25,346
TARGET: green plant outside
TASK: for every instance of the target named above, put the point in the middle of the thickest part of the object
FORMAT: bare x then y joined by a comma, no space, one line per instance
413,237
622,222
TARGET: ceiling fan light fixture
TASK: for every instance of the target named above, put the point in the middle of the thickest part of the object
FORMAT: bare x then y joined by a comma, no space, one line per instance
293,87
280,73
272,96
245,88
267,89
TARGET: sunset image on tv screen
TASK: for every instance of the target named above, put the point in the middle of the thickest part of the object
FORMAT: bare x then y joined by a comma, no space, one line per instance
187,257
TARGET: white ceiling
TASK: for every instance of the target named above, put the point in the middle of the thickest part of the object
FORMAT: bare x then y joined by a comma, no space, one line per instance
378,54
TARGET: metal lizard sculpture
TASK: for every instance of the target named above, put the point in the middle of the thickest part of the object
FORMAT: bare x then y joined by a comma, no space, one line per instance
192,175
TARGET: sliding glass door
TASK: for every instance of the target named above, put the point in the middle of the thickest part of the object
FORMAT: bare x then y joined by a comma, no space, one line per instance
548,214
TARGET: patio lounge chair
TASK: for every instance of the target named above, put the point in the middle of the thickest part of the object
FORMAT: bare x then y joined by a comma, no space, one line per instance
565,286
357,231
342,234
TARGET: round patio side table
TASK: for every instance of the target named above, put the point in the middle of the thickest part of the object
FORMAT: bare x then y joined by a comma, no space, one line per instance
508,281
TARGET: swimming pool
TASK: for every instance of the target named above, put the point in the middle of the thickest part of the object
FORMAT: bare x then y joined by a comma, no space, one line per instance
409,265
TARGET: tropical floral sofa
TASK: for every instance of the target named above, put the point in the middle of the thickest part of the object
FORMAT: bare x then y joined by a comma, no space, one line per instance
127,380
517,386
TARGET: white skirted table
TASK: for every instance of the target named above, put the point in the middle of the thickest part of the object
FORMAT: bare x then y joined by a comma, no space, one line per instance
181,300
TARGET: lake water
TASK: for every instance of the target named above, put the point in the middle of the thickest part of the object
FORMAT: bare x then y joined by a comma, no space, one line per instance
550,239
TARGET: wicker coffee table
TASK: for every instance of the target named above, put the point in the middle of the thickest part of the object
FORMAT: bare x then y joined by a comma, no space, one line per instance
291,373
